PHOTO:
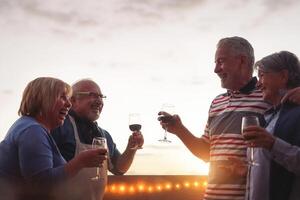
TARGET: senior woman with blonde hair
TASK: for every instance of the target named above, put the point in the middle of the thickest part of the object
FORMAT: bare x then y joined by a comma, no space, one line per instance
30,163
278,154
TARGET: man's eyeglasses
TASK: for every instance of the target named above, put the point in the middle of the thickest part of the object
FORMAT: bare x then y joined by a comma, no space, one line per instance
91,94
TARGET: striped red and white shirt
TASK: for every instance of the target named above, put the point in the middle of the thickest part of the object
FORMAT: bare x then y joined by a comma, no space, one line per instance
223,133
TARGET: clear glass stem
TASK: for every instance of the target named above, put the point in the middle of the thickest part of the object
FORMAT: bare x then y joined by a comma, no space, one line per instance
165,134
98,172
251,161
251,154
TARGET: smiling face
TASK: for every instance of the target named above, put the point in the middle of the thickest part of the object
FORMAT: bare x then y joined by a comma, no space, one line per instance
87,100
228,67
273,85
59,111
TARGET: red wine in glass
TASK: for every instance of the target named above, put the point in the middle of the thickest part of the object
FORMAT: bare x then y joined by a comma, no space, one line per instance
135,127
165,118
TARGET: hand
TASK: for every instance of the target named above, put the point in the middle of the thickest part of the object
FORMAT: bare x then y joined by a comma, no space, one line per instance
173,125
135,140
258,137
292,96
92,157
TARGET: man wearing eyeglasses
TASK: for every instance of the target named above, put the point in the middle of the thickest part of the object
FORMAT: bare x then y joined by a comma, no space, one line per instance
77,133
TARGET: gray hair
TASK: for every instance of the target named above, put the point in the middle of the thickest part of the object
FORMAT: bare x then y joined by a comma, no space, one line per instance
78,85
284,60
239,46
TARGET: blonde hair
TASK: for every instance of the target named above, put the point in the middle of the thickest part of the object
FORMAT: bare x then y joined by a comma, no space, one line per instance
40,95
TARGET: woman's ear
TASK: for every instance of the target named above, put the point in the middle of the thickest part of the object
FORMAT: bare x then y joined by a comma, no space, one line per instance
284,76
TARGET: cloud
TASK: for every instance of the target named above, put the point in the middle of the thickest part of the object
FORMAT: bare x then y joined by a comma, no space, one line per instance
6,92
95,13
279,4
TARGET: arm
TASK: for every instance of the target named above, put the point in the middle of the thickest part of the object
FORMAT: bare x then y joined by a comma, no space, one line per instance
292,96
85,159
124,161
41,163
281,152
286,155
198,146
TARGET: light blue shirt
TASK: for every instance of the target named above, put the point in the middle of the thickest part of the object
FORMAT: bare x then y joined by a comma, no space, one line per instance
282,153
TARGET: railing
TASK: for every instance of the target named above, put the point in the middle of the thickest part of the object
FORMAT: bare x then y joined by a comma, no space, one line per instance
175,187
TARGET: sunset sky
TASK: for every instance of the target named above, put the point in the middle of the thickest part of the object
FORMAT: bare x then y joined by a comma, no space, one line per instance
143,53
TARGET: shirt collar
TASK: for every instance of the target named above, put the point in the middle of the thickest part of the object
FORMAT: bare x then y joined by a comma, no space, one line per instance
249,87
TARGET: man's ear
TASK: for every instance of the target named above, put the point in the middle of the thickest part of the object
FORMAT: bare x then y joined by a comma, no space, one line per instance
244,60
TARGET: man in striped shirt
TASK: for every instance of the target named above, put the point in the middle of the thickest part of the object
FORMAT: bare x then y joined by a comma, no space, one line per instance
222,142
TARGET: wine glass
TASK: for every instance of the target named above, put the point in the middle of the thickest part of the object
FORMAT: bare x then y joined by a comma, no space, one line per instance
169,108
135,125
250,121
98,142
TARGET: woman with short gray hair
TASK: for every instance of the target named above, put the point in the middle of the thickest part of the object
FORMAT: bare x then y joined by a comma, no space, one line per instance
277,176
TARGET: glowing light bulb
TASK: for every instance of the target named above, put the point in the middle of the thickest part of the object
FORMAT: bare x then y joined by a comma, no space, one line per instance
196,184
168,186
122,188
187,184
113,188
159,188
150,189
131,189
141,187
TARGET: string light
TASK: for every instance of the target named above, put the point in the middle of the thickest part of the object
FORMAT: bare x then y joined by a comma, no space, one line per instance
168,186
187,184
196,184
143,187
122,188
158,187
150,189
131,189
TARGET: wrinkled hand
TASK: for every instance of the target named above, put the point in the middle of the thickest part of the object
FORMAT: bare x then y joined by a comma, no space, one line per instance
135,140
92,157
174,125
292,96
258,137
